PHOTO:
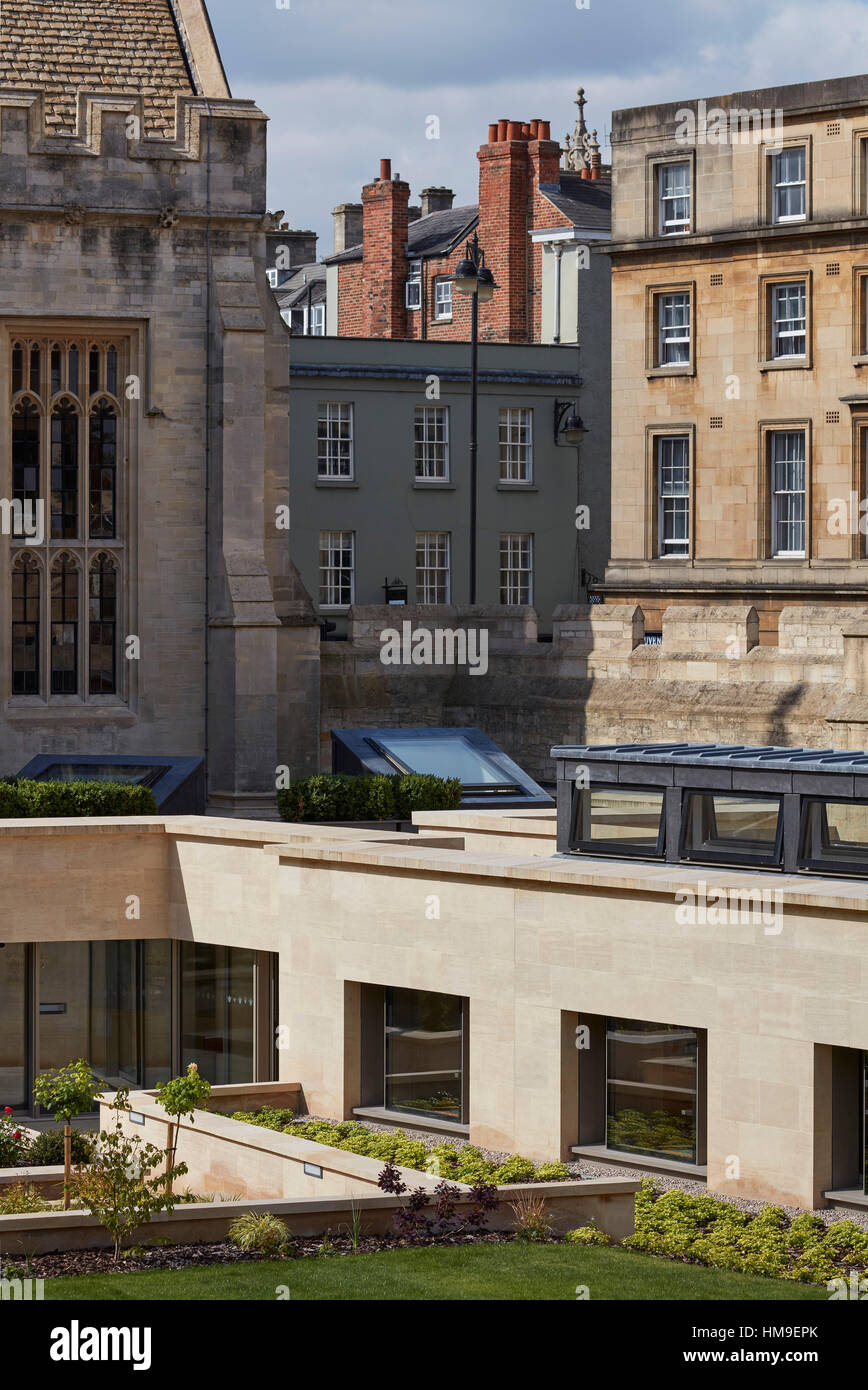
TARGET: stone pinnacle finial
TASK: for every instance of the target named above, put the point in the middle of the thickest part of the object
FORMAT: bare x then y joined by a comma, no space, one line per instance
578,147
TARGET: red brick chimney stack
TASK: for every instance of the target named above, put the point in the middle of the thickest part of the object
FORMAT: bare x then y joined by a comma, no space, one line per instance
385,204
519,156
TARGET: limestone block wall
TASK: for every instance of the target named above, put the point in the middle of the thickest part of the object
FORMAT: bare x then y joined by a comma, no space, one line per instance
597,681
162,241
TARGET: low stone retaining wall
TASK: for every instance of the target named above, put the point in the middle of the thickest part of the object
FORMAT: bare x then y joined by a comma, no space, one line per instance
607,1202
47,1180
246,1161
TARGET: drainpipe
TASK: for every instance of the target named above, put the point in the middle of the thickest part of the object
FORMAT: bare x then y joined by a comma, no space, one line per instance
558,249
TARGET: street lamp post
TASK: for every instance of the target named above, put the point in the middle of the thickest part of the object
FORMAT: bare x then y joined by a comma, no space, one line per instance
473,277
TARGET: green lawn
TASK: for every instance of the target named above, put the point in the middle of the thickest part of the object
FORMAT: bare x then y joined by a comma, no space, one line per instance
509,1271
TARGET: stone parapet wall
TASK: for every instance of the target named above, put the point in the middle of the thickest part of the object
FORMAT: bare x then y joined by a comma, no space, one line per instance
507,627
597,681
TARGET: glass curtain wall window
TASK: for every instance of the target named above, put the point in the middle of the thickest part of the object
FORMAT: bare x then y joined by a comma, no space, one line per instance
336,568
424,1053
432,567
865,1123
65,409
673,337
108,1001
14,1074
217,1018
789,321
674,198
673,495
334,439
431,441
651,1089
516,568
788,493
516,445
789,187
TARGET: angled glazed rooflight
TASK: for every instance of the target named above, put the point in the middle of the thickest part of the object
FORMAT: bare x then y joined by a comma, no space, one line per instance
799,810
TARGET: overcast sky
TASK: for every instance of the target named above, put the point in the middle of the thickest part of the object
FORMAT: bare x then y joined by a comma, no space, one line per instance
347,82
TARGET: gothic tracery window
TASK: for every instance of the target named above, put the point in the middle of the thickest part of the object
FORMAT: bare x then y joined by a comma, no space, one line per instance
67,431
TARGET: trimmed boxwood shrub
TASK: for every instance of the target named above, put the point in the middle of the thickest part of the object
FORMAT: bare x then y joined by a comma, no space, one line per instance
335,796
449,1161
47,1148
20,798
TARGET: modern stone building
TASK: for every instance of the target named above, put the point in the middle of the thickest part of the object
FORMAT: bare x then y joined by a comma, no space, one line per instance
148,593
705,1018
739,407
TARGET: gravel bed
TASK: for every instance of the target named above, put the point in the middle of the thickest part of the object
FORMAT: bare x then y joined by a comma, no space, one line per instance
583,1168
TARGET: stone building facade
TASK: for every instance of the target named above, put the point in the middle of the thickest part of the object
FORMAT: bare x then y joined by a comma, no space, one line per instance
739,349
143,389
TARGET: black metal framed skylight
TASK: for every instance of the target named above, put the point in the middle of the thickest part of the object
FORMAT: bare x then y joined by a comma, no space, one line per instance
178,783
792,809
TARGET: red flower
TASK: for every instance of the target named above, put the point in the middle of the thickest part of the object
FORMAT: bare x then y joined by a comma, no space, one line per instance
16,1134
7,1110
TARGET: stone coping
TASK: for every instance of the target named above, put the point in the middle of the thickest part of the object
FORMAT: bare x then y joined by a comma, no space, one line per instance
438,855
606,1201
581,871
535,821
289,1146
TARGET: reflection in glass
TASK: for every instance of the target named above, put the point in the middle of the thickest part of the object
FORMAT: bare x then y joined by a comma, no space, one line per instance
13,1027
620,820
110,1002
836,835
217,1011
424,1053
651,1089
865,1123
443,757
725,826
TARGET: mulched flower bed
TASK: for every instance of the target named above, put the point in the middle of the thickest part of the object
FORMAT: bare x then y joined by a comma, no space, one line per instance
183,1256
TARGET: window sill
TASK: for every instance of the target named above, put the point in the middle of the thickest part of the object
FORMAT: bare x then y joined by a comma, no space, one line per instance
847,1197
599,1153
436,321
335,608
336,482
780,364
434,485
517,487
683,369
400,1117
24,709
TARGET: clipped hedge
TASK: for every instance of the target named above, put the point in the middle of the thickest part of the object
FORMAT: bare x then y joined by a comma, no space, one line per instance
449,1161
335,796
709,1231
20,798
